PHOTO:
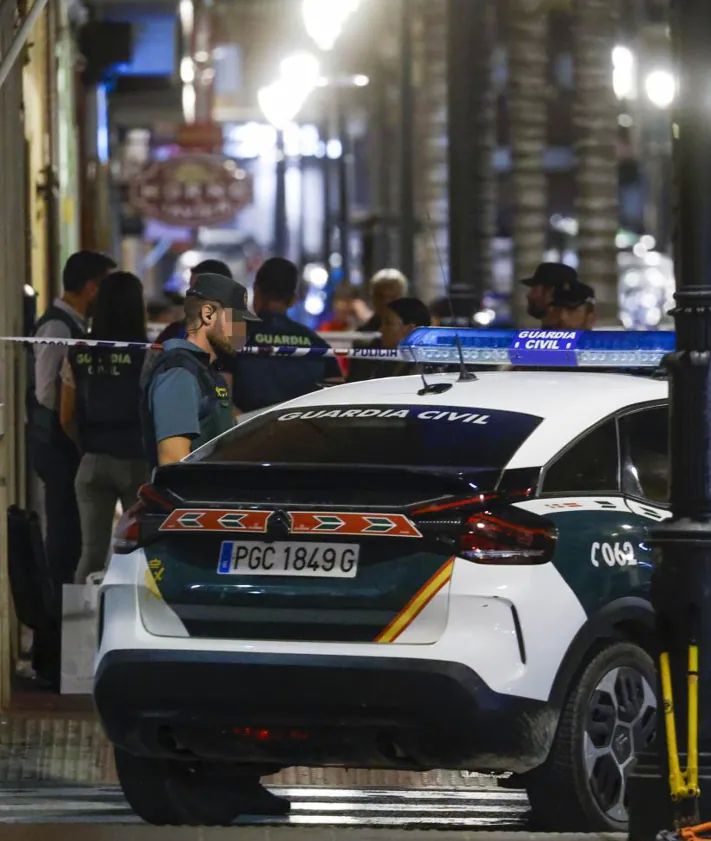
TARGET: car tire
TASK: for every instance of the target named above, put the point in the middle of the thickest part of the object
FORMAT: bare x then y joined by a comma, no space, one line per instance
165,792
609,717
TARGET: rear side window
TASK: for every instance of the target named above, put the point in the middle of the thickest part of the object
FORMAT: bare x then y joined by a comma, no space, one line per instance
646,465
420,436
591,464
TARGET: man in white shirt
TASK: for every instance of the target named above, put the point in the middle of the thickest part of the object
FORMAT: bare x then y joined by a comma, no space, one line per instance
54,456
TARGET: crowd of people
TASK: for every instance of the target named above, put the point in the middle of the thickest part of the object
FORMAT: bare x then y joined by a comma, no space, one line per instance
100,418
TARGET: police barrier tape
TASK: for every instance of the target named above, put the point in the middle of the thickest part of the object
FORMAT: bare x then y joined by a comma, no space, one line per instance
375,354
451,346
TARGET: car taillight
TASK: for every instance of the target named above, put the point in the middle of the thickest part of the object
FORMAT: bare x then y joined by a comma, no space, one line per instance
127,535
507,536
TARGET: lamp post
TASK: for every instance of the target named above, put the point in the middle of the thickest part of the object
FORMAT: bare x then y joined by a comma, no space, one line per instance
649,87
280,102
681,586
407,149
324,21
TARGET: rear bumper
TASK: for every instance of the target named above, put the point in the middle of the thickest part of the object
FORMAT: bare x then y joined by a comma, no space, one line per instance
282,710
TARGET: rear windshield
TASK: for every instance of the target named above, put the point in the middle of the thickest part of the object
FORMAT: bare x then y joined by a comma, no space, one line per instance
443,436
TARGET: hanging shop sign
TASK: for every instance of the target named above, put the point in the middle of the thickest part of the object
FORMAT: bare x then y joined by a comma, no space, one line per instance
192,190
200,137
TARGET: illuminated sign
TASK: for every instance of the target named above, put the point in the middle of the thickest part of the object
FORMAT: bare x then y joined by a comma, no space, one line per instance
192,190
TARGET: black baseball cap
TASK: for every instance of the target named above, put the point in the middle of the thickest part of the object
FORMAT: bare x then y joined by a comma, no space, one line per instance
231,294
570,296
552,274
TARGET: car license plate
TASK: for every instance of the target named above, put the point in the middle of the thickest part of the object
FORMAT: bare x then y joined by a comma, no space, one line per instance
308,560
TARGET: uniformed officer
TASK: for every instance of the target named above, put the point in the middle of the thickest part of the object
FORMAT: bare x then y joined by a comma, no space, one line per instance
573,307
542,286
54,456
184,400
99,411
264,381
176,330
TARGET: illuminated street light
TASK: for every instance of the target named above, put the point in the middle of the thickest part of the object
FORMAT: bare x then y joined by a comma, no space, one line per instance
282,100
660,87
187,70
278,103
623,73
302,70
189,99
324,19
187,16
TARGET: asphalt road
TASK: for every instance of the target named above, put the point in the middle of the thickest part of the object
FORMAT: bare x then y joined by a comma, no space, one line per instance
76,813
312,807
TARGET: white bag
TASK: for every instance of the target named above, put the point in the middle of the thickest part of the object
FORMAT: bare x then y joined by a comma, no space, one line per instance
80,603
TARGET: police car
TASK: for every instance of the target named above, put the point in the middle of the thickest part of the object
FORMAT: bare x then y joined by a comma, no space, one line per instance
406,573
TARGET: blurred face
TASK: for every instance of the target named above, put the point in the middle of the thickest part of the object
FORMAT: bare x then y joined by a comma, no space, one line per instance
393,329
262,303
342,311
575,318
385,293
89,294
92,287
225,335
539,299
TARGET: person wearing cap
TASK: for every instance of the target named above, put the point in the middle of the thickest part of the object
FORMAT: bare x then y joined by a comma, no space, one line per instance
542,286
184,399
572,307
176,330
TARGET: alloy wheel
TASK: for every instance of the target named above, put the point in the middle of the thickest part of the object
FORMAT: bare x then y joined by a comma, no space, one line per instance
620,724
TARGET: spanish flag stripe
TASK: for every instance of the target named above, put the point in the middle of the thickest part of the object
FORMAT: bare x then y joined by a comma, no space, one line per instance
417,603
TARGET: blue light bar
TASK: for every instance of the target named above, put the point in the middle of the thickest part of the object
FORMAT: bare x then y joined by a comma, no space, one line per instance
540,348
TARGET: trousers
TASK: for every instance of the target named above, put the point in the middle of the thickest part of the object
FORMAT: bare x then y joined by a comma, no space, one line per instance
56,464
101,481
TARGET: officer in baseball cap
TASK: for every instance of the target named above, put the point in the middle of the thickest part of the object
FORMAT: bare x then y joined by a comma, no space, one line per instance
185,400
542,286
573,307
225,291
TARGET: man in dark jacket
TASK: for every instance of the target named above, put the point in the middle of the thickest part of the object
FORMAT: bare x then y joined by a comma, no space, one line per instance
266,380
542,287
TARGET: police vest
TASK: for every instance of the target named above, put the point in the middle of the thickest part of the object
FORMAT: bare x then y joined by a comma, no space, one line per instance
45,422
215,412
264,381
108,399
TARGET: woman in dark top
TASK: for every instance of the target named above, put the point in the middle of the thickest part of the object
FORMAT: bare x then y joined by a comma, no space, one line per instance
99,410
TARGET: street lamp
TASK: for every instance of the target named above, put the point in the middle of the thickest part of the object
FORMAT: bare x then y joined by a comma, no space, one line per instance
324,19
660,87
623,72
280,102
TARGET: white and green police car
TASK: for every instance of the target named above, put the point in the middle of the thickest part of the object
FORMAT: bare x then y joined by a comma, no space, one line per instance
397,575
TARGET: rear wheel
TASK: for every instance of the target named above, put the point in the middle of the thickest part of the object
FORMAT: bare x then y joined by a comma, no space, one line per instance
608,719
197,794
